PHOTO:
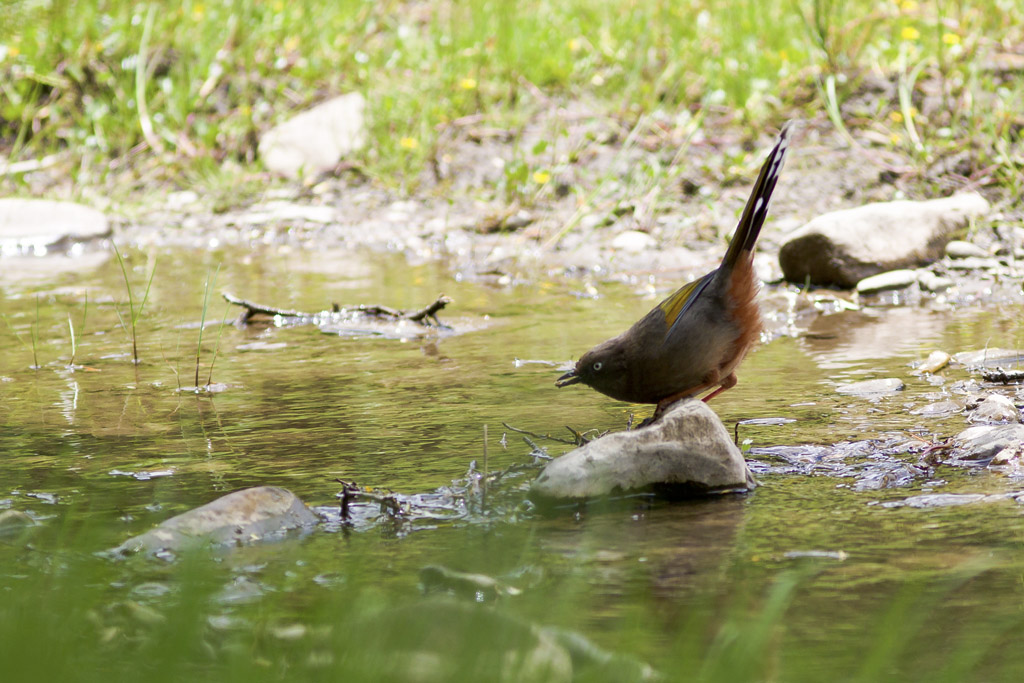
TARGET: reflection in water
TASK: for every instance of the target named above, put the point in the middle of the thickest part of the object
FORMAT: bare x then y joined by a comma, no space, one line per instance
677,545
844,340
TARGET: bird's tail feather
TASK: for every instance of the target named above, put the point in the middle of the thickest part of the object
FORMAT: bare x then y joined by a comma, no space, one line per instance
760,197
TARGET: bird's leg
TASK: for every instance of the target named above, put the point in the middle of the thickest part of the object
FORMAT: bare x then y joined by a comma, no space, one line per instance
710,380
664,403
728,383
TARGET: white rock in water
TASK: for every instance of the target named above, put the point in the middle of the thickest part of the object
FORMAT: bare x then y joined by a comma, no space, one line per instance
315,140
41,224
688,448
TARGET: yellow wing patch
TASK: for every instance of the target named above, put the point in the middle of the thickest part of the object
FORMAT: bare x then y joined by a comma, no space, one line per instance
674,305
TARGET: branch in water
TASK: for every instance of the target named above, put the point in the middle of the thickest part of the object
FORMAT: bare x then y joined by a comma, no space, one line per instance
426,316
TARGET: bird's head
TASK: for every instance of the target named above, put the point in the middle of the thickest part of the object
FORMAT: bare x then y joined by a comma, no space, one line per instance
602,368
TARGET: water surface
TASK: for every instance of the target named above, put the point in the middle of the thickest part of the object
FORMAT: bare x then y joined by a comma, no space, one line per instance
107,449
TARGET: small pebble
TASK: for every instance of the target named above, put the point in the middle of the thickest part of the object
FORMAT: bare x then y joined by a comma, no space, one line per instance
1008,456
931,282
592,220
959,249
974,263
520,219
181,199
894,279
633,241
936,361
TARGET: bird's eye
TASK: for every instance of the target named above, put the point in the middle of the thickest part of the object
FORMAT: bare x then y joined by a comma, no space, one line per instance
597,366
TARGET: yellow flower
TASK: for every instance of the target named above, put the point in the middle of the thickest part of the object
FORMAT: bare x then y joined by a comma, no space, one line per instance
198,10
784,55
409,143
910,33
13,51
896,117
575,44
541,177
279,6
291,43
468,84
908,5
895,138
950,39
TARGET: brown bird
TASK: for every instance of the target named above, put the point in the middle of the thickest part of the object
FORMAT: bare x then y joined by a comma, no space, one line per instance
693,340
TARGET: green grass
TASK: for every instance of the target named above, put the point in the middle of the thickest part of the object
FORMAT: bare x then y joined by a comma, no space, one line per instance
178,90
76,617
134,313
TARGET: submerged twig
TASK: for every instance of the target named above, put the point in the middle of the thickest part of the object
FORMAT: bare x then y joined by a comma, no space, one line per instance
430,312
252,309
426,316
541,436
1003,375
350,491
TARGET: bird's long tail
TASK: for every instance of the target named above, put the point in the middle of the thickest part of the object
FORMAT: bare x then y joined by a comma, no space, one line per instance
760,197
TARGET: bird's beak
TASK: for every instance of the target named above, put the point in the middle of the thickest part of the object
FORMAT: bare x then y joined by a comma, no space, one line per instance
568,378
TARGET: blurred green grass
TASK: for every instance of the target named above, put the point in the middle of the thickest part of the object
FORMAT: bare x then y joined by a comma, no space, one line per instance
70,616
215,75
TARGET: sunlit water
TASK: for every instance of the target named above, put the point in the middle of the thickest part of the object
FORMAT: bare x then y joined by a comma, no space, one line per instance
107,449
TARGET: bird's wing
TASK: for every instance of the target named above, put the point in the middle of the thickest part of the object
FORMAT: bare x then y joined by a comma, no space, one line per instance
674,306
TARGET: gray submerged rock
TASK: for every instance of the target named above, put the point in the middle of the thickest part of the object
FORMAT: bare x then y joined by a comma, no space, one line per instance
995,408
989,358
872,387
844,247
688,449
942,500
243,517
14,522
989,442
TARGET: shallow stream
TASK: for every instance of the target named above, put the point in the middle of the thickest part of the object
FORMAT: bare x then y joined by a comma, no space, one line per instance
107,449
